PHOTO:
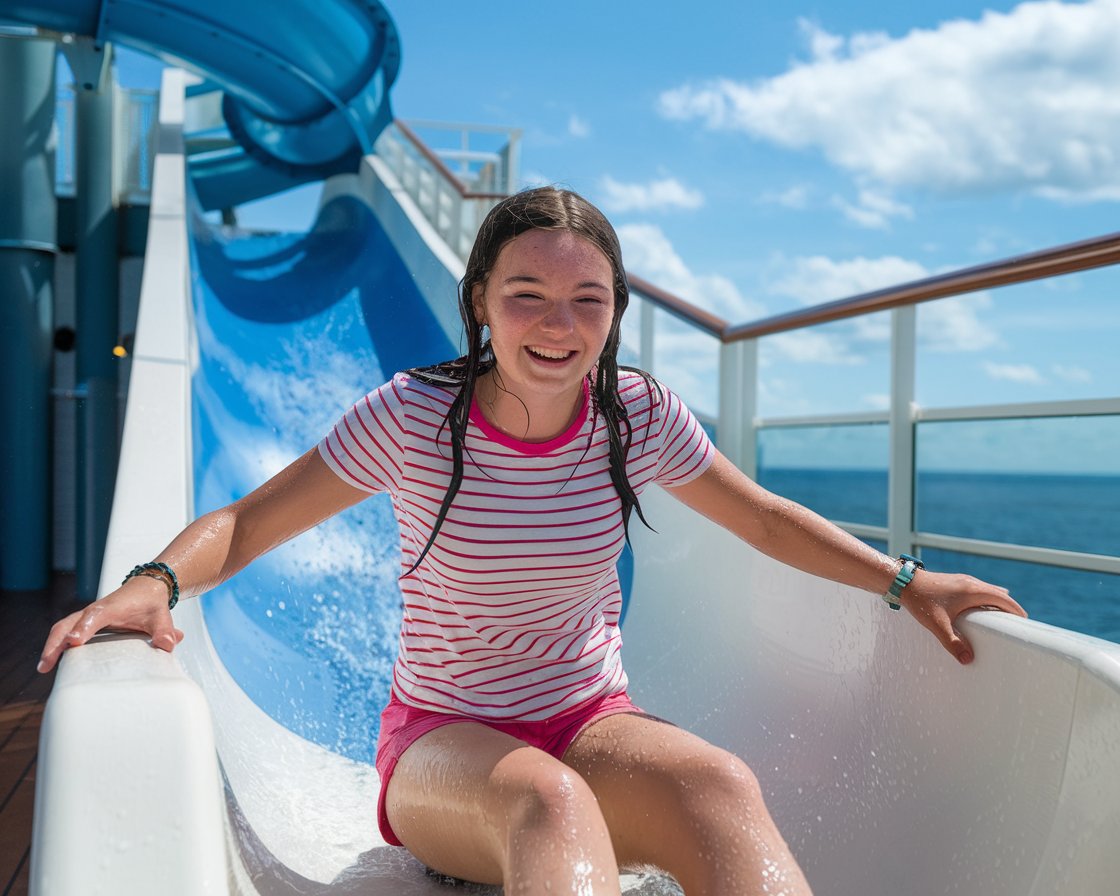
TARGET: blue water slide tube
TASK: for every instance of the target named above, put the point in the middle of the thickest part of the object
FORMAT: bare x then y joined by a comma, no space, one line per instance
306,83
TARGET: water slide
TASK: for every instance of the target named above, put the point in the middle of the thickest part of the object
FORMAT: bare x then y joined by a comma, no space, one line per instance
241,763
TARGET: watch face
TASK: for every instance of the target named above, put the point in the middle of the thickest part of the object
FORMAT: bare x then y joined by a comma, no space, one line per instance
906,558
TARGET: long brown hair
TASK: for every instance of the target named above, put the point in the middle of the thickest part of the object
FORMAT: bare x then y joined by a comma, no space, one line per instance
543,208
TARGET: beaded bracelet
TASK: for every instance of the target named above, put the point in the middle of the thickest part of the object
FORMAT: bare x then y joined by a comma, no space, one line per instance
164,573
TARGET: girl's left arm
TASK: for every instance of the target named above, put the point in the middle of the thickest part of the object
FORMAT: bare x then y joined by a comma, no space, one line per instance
805,540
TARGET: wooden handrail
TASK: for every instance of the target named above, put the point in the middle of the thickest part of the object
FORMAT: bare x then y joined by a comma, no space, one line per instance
1065,259
438,164
678,307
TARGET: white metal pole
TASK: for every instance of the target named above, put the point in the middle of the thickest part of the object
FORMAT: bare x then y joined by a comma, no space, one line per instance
900,480
646,319
738,404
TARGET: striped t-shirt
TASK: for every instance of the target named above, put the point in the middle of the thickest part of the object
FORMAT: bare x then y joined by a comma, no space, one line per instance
514,612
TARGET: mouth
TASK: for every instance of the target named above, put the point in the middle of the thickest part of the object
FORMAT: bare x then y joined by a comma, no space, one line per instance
549,355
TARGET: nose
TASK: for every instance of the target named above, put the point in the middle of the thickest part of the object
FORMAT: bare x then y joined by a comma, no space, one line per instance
558,318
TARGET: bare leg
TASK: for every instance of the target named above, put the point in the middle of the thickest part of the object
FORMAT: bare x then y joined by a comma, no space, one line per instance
480,805
675,801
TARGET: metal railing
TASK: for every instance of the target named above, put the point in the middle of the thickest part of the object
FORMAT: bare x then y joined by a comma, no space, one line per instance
738,424
483,158
451,204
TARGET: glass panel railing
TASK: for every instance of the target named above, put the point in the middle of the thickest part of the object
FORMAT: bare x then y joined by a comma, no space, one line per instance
1029,342
1046,482
688,362
483,158
840,367
838,471
441,197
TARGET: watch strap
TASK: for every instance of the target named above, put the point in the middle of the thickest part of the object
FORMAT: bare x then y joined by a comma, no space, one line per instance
910,565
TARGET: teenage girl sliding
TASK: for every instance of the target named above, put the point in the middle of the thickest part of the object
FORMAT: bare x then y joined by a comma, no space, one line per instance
509,751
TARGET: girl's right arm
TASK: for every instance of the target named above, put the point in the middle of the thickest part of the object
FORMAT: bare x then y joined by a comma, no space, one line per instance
209,551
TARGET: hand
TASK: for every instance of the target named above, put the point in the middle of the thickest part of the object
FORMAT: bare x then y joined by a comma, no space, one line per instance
937,600
140,605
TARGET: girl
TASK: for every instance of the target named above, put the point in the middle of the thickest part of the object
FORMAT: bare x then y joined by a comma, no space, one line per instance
510,752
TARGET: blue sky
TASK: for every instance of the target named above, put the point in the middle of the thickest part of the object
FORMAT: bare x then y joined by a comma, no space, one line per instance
761,157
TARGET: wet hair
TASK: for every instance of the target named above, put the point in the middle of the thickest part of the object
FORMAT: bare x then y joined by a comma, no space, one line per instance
543,208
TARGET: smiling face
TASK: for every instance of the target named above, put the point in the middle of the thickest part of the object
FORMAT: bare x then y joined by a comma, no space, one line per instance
549,304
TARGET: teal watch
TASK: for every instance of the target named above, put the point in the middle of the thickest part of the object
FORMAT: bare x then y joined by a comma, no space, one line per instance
910,565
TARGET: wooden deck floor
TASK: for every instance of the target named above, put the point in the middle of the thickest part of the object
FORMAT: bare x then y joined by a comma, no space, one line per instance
25,619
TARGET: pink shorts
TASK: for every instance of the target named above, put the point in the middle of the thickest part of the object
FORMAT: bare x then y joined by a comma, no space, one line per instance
402,725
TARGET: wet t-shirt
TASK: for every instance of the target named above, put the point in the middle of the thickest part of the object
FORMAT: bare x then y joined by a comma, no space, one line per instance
514,612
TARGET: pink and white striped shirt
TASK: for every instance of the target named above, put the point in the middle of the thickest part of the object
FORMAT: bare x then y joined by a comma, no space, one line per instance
514,613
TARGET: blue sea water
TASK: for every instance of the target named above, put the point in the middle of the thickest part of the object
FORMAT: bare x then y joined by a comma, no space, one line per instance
1068,512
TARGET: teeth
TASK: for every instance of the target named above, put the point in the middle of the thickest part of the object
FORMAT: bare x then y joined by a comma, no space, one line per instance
552,354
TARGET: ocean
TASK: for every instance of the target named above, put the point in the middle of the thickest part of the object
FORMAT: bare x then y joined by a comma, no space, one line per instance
1068,512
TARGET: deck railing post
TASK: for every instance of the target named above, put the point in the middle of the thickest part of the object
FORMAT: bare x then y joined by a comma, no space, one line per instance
900,479
738,404
646,323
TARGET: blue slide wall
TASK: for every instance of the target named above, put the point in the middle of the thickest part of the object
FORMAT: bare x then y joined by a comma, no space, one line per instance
293,329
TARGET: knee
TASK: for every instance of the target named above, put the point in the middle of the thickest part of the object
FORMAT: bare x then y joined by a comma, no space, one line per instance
720,787
552,796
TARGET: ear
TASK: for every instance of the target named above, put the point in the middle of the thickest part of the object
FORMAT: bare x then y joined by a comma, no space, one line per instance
478,304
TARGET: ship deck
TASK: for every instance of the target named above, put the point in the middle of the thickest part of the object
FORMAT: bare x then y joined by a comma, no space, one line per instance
25,619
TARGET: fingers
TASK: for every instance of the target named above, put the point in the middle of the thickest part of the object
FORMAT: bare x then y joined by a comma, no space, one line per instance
943,599
951,639
1006,603
61,633
957,644
165,637
76,629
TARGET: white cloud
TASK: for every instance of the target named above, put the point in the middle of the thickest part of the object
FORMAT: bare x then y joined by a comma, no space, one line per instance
945,325
1013,373
823,47
686,358
578,127
872,209
657,195
817,278
1028,99
815,347
953,325
535,179
1071,374
795,197
650,254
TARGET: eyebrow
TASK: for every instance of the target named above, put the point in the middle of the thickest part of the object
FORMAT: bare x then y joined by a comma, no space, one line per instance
529,278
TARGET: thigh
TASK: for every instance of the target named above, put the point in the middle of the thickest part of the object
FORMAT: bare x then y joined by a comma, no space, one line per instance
453,792
644,771
673,800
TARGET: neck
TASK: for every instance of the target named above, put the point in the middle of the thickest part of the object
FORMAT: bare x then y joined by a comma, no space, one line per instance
532,419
